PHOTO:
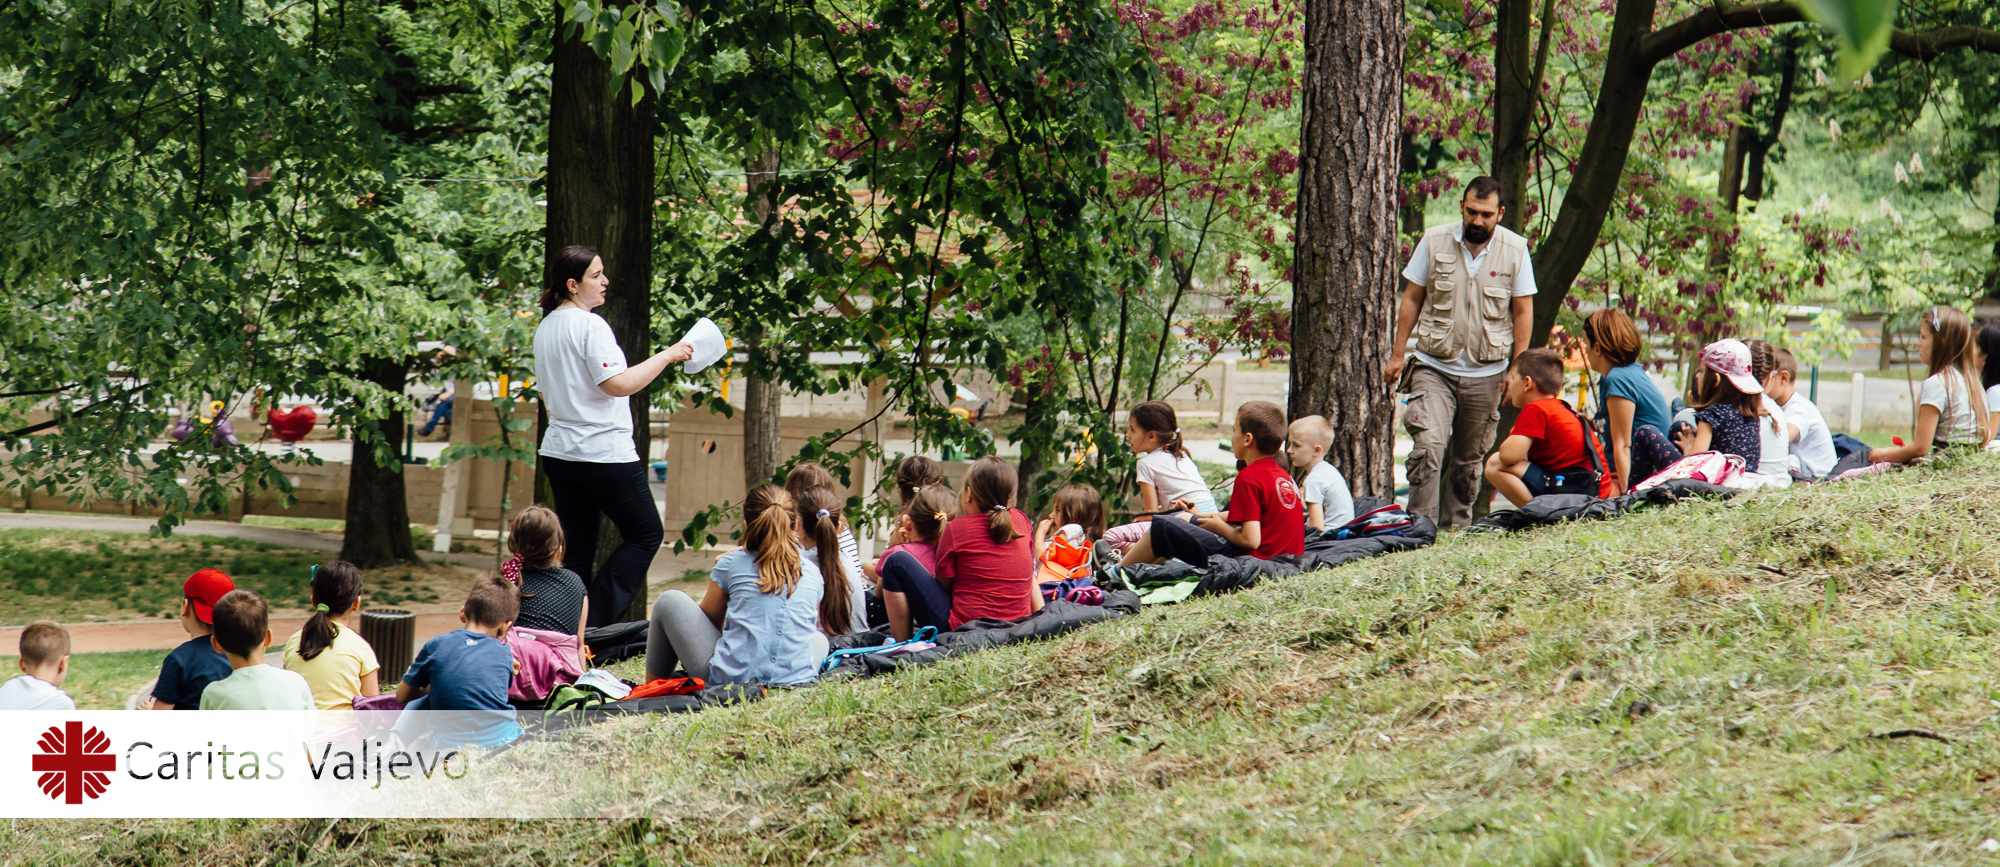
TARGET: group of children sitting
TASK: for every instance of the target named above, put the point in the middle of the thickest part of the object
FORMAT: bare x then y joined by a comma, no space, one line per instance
522,632
1742,401
773,605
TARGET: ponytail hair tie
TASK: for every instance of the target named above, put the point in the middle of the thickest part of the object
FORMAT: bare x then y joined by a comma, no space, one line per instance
939,516
1000,508
321,608
825,514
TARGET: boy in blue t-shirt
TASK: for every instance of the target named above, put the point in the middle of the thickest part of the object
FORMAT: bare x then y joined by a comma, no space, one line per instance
195,664
467,670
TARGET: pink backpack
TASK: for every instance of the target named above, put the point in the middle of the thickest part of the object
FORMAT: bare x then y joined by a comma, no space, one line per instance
1712,467
547,659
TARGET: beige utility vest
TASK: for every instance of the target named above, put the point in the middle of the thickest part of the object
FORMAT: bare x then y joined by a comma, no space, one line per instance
1467,312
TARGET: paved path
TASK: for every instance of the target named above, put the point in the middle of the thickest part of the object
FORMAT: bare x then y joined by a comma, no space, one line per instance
307,539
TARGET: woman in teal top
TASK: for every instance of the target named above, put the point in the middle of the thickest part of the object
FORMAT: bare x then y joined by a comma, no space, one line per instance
1630,411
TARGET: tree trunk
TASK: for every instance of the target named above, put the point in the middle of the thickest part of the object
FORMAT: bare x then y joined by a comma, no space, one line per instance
378,513
1729,192
1345,269
600,194
763,400
1593,186
1760,149
1513,106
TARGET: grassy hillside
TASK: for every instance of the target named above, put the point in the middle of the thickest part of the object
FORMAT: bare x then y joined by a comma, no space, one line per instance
1731,683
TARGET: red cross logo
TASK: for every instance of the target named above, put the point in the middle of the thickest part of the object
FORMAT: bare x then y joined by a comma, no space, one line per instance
74,763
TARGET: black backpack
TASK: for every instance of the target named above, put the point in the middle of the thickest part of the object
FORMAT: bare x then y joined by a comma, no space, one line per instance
1586,480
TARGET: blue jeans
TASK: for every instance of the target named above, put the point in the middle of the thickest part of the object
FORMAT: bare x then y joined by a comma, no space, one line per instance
440,414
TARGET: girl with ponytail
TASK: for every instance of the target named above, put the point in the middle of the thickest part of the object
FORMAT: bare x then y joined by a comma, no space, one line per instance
759,620
1951,407
333,659
985,566
823,529
1167,473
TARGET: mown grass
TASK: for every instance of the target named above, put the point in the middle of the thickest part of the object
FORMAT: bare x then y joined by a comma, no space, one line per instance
77,575
1696,685
101,681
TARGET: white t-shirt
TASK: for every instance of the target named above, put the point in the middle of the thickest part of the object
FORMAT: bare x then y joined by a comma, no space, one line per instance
575,352
28,692
1327,487
1992,399
1175,478
1815,444
1419,272
1955,421
1773,446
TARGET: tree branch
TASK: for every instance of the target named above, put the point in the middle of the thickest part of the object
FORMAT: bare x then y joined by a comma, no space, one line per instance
1715,20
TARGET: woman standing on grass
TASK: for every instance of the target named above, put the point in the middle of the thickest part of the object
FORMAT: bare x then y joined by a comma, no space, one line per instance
593,467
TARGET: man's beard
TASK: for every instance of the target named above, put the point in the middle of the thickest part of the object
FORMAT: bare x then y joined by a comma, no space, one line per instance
1477,234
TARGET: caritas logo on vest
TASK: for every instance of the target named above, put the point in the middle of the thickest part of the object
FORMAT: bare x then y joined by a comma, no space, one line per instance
126,764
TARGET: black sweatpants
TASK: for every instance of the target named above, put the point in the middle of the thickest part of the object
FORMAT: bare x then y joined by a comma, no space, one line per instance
584,492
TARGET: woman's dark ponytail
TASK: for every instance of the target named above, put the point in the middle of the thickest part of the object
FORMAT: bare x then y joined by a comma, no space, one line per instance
336,586
571,263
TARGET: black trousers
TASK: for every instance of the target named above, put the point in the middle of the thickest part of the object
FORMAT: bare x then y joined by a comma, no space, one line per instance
1175,539
585,493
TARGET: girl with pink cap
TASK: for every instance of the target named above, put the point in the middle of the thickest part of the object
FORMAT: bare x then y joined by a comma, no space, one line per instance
1733,416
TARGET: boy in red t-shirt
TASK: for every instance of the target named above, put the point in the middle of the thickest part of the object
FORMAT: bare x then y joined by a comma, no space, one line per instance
1545,452
1266,517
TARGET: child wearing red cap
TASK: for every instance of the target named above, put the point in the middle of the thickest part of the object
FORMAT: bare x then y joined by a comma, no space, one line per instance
196,663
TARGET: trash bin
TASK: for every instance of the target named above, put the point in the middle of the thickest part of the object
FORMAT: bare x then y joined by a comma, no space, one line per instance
392,632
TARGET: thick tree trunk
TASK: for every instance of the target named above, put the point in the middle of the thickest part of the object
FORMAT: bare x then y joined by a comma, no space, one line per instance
1729,191
378,514
1513,106
1346,280
763,400
1760,150
600,194
1593,186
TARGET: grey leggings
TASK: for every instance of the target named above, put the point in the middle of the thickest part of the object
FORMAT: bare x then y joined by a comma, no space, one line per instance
680,632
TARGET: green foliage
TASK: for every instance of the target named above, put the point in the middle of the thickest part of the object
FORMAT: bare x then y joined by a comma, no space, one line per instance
1861,27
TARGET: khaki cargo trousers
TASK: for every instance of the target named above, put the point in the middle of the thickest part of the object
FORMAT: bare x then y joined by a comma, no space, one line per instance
1450,420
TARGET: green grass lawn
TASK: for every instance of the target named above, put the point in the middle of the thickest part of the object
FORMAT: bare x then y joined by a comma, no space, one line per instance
1714,683
100,681
71,575
75,575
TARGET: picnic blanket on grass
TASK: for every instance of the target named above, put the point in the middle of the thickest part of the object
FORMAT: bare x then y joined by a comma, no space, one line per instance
1563,508
1167,582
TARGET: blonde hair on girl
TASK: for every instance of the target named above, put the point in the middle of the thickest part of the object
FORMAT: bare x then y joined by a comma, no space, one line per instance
767,533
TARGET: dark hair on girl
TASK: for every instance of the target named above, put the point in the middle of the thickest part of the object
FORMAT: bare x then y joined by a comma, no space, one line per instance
990,484
767,534
571,263
819,522
536,537
1989,352
1083,506
805,477
930,510
1157,416
915,474
1763,359
336,586
1710,387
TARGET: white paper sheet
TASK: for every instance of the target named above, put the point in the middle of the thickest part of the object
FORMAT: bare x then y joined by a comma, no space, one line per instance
708,345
